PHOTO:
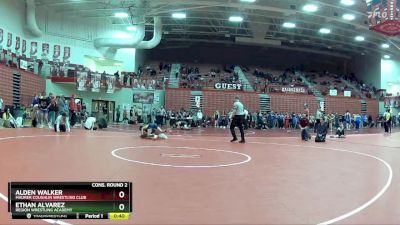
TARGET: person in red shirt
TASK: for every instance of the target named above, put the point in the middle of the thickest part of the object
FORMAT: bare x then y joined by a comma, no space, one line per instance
304,122
72,110
287,118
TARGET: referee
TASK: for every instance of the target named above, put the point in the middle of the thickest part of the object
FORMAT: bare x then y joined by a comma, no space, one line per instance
237,120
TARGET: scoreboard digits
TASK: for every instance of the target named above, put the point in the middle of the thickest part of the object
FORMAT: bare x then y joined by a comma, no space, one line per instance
70,200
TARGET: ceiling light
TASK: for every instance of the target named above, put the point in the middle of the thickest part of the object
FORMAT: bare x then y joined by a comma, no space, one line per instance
348,17
289,25
310,8
386,56
359,38
131,28
385,45
121,15
102,59
236,19
179,15
249,1
325,31
347,2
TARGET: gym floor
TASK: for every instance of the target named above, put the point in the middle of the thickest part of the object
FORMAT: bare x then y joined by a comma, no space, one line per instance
199,177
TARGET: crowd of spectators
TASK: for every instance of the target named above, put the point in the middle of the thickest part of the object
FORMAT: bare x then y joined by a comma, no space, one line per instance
44,111
272,81
198,78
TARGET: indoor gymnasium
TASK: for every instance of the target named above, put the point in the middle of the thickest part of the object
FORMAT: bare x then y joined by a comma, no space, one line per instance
199,112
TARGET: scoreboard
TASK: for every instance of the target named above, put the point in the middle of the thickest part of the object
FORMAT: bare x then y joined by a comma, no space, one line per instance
70,200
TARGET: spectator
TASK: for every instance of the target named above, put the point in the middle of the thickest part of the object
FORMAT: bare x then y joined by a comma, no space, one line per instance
125,78
199,117
60,105
52,110
318,117
44,110
347,117
72,110
216,118
116,75
125,118
1,106
40,65
8,119
304,122
118,112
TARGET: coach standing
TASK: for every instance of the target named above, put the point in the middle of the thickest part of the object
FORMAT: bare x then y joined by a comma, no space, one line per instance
237,120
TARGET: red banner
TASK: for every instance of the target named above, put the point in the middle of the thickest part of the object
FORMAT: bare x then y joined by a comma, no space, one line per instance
17,43
67,52
57,49
23,46
33,48
45,48
1,35
9,39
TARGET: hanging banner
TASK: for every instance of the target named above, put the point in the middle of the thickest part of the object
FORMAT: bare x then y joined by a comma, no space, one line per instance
56,52
67,52
347,93
81,81
96,82
294,89
228,86
333,92
33,48
9,39
17,43
1,36
23,46
110,84
45,49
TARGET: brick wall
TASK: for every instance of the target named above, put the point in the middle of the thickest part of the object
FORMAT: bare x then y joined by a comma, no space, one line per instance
31,84
281,102
373,108
223,100
176,99
340,104
6,85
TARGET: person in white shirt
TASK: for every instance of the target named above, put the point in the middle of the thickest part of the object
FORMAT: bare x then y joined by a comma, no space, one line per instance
237,120
90,124
199,117
62,123
1,107
1,104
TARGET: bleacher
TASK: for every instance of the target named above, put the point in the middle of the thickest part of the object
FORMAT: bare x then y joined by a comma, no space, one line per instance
270,80
205,76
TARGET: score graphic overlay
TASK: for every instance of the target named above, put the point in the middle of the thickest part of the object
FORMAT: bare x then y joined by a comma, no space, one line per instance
70,200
